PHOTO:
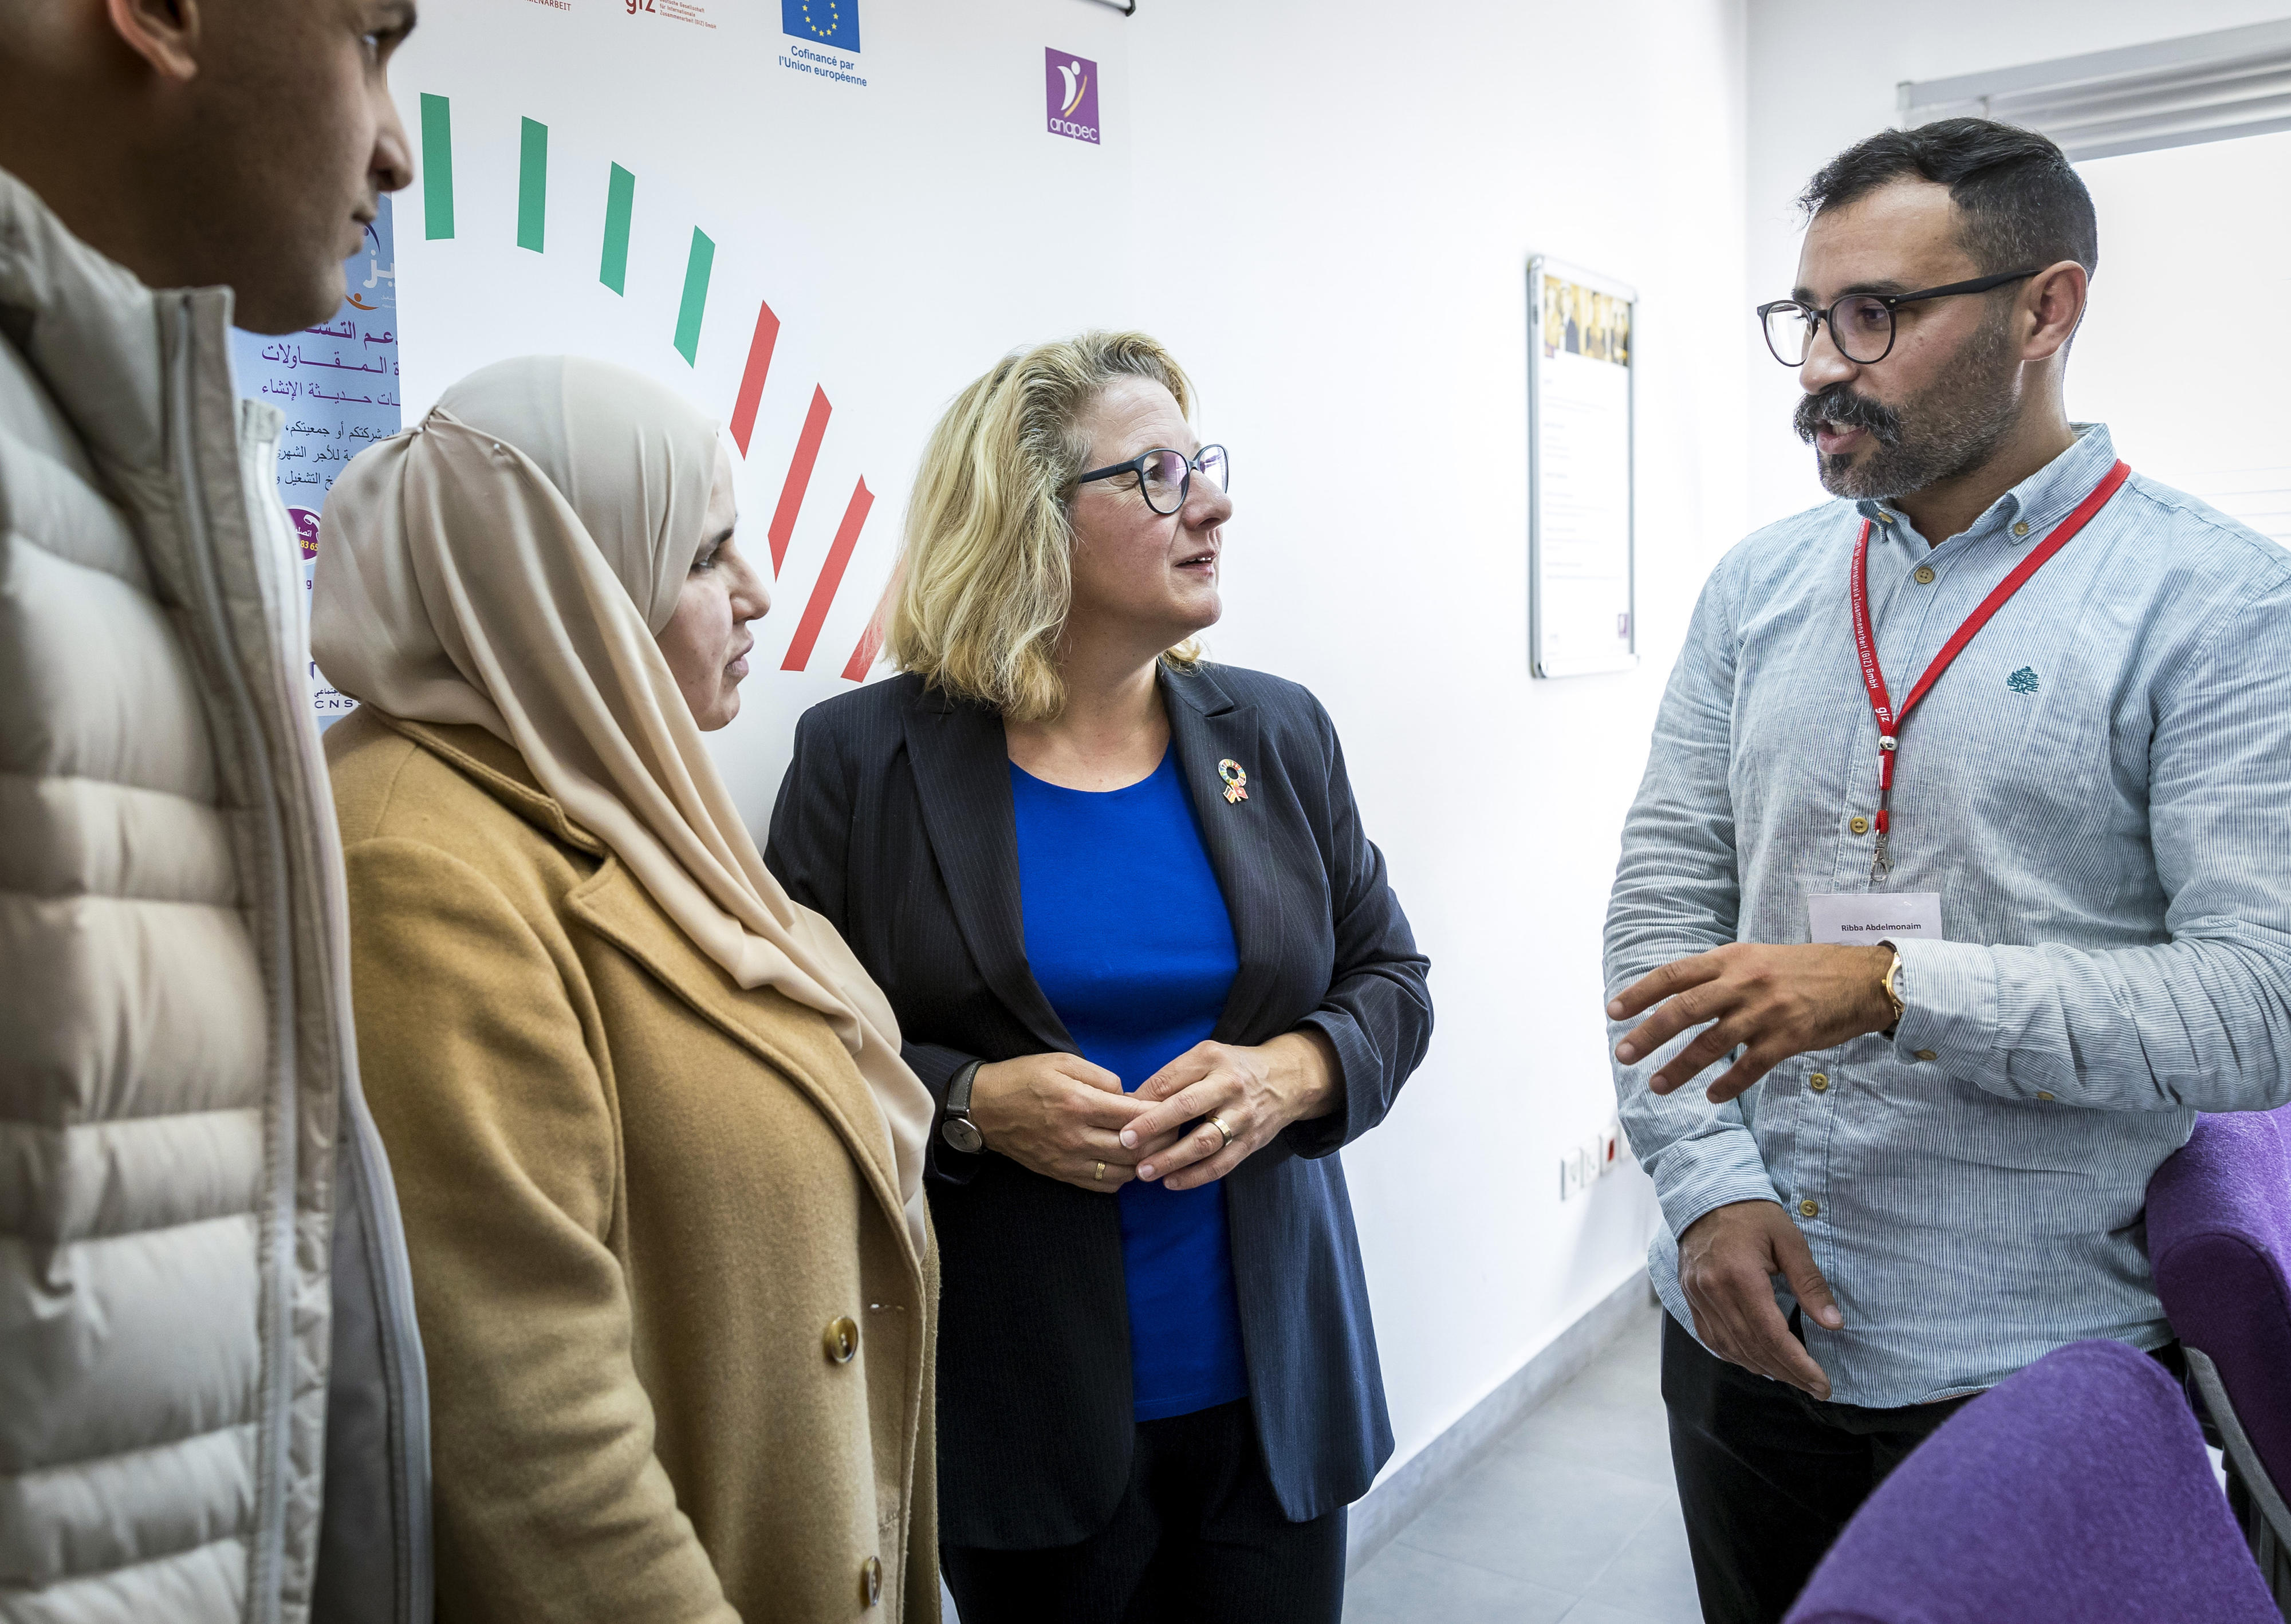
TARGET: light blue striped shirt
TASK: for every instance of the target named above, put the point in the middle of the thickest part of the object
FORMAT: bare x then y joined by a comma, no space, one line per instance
2100,788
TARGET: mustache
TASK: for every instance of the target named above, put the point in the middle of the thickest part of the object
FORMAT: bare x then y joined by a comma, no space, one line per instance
1841,405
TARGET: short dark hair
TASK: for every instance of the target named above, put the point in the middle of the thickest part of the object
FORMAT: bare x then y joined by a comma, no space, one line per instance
2021,201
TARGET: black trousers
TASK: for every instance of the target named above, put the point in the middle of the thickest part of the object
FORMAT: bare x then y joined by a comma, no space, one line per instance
1767,1476
1198,1536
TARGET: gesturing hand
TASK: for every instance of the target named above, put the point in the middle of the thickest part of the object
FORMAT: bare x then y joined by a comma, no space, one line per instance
1057,1115
1254,1091
1727,1260
1772,1003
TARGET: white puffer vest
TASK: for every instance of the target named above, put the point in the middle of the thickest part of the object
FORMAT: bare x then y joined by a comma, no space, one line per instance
205,1312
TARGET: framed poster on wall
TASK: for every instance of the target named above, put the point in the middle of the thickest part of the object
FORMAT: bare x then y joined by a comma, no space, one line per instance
1580,384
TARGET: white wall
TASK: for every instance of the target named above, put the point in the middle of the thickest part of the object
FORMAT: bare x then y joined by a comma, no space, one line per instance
1327,208
1346,281
1820,78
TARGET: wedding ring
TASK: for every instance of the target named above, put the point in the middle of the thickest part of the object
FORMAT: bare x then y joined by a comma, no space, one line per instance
1217,1122
1100,1174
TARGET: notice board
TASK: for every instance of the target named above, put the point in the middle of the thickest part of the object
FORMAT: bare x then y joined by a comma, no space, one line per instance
1580,375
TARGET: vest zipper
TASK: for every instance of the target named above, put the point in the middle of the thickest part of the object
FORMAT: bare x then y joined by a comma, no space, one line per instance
274,921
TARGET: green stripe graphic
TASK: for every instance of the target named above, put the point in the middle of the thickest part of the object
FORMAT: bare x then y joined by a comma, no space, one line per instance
437,166
695,296
532,185
620,200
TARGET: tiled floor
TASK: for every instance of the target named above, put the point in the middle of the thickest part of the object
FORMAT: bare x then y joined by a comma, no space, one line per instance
1571,1517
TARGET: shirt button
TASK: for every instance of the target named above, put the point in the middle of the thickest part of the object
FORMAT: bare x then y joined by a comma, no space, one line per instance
2042,1095
842,1339
1923,574
2022,528
1927,1054
1819,1082
871,1581
1860,825
1811,1208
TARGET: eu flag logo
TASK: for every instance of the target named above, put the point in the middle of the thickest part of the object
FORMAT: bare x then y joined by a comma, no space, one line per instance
822,22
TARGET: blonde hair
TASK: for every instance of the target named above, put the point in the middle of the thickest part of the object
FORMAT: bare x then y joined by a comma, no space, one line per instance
985,577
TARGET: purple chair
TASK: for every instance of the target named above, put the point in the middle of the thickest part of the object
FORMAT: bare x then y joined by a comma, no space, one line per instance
2219,1234
2075,1492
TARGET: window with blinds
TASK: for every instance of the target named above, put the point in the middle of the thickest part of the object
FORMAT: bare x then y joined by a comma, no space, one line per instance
2179,354
2175,93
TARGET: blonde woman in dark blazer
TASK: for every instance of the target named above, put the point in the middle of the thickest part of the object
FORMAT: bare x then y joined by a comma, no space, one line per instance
1146,960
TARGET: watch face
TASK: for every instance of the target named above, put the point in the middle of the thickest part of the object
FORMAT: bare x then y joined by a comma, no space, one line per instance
963,1134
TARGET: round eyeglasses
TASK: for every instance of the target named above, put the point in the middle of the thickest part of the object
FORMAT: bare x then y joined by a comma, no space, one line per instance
1165,478
1860,324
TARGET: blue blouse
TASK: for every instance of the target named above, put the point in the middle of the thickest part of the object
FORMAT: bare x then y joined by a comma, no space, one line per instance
1128,937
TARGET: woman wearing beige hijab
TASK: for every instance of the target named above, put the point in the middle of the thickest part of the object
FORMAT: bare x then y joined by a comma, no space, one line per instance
659,1158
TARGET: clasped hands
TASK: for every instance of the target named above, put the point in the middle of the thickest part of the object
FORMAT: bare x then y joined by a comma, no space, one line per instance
1065,1118
1770,1002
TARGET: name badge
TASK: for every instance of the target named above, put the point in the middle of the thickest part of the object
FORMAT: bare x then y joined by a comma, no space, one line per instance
1864,917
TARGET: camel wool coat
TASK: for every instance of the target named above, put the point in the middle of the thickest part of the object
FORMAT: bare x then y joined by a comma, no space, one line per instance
679,1342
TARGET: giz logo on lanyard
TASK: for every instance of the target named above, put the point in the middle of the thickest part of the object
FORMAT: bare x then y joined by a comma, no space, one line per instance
1865,639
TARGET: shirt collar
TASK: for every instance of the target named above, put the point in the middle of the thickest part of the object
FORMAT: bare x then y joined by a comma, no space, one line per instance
2038,502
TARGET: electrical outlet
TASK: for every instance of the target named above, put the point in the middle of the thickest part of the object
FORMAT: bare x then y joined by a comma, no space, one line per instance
1591,1161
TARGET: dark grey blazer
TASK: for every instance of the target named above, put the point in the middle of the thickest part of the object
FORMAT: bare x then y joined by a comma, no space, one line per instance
894,821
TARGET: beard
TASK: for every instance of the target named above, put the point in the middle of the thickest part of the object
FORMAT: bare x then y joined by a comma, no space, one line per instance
1951,428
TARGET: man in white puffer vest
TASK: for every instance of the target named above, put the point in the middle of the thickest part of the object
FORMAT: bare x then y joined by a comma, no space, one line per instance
212,1407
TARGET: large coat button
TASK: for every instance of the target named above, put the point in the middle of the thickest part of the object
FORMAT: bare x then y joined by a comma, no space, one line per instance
871,1582
842,1339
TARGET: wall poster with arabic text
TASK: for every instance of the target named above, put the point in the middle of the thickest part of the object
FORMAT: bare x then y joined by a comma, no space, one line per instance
337,385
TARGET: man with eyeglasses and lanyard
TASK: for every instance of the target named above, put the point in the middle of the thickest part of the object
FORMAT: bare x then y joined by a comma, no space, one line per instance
1962,864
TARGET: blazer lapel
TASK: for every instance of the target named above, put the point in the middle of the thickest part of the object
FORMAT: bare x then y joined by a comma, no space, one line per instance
1206,729
962,777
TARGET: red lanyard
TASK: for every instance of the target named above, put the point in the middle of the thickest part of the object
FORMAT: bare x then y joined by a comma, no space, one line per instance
1865,639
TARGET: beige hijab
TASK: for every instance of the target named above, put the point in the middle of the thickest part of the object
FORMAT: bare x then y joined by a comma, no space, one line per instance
509,563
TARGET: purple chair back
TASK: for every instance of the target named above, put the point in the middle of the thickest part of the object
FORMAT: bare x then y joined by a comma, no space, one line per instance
2219,1236
2075,1492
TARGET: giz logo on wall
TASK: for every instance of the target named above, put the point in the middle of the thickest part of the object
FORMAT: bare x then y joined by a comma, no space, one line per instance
822,22
1071,88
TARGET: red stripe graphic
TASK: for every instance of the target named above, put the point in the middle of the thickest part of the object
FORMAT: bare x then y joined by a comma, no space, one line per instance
863,658
798,477
831,576
751,380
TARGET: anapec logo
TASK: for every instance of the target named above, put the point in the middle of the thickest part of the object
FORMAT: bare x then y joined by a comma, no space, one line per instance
822,22
1070,87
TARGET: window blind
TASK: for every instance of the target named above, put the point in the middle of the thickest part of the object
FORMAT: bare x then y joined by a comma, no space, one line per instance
2174,93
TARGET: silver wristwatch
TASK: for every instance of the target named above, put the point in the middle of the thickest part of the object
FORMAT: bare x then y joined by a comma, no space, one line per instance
957,1128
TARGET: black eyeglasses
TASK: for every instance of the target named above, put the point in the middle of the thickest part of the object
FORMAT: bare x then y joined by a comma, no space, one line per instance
1860,324
1166,477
